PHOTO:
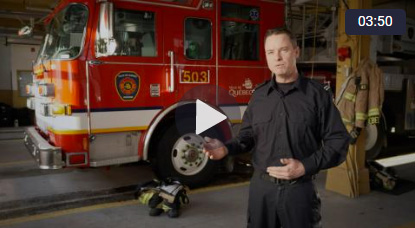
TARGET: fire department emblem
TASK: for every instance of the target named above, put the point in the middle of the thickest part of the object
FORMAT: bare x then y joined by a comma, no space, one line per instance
127,84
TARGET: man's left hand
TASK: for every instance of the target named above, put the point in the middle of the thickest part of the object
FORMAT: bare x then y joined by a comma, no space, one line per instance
292,169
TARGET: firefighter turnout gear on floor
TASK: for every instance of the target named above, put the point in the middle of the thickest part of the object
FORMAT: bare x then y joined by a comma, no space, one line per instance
361,97
163,196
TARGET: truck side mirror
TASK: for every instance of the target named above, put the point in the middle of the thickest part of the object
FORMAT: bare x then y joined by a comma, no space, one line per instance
25,31
28,29
106,44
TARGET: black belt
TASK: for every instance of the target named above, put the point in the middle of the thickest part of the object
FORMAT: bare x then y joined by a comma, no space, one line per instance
267,177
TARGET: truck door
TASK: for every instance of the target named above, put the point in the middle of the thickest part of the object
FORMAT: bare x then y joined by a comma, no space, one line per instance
190,66
125,85
189,52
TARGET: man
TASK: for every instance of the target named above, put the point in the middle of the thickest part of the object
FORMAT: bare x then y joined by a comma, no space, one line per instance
294,131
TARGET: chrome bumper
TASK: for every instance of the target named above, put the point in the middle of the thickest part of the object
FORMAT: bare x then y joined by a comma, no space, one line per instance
47,156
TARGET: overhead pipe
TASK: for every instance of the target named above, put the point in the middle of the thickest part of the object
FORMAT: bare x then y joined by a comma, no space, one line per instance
23,15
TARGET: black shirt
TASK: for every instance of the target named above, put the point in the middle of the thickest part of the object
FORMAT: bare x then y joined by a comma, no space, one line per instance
301,123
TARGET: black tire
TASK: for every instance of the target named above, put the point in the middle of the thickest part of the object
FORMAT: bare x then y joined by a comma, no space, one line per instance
164,160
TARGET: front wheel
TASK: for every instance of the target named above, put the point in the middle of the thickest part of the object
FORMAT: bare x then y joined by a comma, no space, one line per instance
181,157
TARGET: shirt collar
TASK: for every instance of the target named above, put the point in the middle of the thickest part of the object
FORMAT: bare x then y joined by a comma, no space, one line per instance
299,84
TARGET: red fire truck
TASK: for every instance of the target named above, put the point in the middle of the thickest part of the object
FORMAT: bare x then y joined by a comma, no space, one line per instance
110,76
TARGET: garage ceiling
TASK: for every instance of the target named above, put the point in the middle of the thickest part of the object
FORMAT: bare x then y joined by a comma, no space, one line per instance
14,14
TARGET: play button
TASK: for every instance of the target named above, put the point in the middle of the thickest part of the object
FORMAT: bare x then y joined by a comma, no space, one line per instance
206,117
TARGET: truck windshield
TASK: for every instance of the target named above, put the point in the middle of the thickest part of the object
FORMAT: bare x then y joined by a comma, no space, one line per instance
65,34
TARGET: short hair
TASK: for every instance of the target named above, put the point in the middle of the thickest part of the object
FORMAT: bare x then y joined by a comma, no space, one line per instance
283,30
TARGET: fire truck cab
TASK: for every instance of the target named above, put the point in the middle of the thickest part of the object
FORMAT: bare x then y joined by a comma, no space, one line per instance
110,76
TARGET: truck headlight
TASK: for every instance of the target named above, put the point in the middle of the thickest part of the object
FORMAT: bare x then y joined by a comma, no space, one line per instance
61,109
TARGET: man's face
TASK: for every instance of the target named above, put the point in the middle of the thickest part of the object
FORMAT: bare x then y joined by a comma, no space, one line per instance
281,55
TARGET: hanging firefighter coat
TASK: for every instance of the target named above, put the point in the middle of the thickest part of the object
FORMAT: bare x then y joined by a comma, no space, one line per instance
361,95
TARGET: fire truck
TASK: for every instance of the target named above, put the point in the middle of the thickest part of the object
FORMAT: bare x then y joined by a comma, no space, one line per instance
111,75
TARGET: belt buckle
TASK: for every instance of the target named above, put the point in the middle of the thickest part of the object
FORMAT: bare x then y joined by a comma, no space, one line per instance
289,182
276,180
283,181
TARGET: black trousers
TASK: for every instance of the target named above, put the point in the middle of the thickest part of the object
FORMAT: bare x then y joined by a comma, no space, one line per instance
273,205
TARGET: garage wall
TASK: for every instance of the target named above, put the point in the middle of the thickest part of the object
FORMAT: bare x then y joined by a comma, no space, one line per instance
5,75
21,60
14,58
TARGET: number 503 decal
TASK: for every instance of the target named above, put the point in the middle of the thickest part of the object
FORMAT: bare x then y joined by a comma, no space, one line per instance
188,76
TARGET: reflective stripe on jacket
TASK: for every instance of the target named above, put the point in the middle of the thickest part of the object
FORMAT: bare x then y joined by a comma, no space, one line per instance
362,95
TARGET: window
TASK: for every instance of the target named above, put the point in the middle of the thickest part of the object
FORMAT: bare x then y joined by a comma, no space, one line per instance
64,38
134,33
198,39
239,32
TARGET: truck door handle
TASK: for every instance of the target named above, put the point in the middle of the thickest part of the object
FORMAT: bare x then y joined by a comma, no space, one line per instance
171,85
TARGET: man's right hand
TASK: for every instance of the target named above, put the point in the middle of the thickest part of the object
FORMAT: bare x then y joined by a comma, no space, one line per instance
214,149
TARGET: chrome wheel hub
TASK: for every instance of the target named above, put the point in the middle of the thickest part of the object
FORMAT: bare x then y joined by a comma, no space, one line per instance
187,155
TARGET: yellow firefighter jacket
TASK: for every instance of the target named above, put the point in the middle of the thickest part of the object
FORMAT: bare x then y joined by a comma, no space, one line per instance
361,95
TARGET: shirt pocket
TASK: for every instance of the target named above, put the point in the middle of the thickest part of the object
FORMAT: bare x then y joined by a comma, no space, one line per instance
261,122
301,125
261,118
262,128
306,118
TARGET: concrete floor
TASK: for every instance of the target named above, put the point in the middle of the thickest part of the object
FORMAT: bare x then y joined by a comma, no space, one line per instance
226,207
219,206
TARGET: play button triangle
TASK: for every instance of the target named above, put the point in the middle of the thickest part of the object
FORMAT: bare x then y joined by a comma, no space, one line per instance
206,116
